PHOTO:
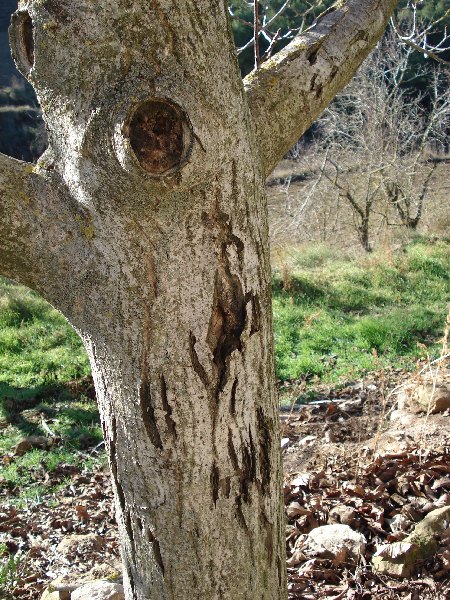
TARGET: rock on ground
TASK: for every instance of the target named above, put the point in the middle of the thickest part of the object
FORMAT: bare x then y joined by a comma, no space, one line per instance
346,515
26,444
71,581
80,544
423,533
428,396
55,595
399,558
336,542
99,590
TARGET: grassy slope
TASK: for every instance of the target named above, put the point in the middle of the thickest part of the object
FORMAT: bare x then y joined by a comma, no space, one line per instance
335,319
39,355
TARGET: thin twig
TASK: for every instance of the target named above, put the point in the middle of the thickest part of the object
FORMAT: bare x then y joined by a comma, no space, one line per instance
256,32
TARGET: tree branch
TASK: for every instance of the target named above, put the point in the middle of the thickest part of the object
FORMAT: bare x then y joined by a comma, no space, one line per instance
40,236
289,91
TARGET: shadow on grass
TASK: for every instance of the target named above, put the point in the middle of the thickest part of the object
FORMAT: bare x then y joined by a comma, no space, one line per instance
71,405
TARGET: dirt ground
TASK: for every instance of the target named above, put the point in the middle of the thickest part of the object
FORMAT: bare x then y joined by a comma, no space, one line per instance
355,455
343,455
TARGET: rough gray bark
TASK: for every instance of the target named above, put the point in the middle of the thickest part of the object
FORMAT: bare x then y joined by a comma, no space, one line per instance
145,224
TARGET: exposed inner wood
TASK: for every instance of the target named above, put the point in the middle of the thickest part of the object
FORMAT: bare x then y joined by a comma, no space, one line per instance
157,136
27,39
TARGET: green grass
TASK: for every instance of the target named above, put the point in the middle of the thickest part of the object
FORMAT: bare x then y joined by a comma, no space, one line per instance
75,431
40,359
335,318
36,344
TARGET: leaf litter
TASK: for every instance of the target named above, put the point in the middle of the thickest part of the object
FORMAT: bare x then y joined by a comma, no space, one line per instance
378,478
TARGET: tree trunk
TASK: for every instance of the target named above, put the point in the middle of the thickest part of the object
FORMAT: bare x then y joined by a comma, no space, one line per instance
145,223
187,402
364,235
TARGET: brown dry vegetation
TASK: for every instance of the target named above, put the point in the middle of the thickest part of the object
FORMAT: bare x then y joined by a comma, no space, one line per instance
329,218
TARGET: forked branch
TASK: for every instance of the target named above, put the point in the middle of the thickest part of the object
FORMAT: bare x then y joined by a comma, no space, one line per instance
288,92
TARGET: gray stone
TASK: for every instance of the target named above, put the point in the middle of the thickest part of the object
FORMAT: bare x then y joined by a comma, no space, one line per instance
427,396
403,417
72,581
285,443
50,594
424,532
295,510
99,590
26,444
337,542
399,559
342,514
395,560
399,523
79,544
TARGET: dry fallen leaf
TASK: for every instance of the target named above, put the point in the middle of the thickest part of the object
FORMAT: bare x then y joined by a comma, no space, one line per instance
396,550
82,513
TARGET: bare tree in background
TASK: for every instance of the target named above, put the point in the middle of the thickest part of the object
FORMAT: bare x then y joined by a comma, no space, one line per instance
426,36
266,25
375,150
421,35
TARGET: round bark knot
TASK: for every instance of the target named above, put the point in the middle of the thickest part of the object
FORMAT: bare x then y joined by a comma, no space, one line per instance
160,136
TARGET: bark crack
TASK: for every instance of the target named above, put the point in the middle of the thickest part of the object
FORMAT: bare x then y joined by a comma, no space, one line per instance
240,514
195,361
156,551
148,410
123,507
265,445
269,534
255,312
170,423
214,478
232,451
248,469
233,397
145,396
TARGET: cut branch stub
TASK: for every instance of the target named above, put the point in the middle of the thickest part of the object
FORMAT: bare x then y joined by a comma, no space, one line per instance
22,41
160,136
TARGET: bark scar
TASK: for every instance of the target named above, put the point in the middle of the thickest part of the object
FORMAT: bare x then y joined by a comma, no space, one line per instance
228,314
156,551
121,498
265,445
195,361
214,478
227,320
148,411
170,423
